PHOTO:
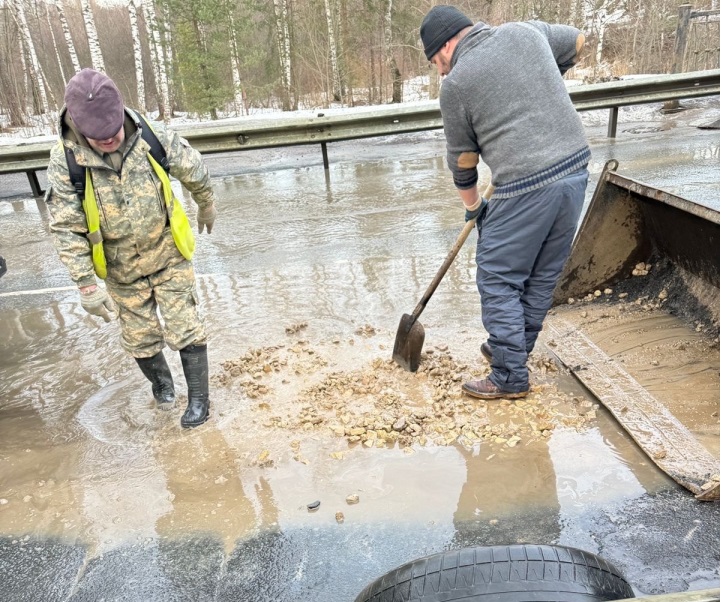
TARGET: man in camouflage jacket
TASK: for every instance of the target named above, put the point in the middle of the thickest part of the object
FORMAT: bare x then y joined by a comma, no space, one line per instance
145,270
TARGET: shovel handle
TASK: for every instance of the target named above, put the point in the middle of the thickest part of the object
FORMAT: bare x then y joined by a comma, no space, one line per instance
470,224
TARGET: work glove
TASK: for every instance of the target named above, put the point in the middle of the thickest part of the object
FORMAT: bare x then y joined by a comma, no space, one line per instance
99,303
476,212
206,217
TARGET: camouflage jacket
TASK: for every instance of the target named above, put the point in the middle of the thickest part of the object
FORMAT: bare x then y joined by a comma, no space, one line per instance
133,217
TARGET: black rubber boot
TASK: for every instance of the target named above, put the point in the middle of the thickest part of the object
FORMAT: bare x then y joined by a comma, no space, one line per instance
195,367
156,370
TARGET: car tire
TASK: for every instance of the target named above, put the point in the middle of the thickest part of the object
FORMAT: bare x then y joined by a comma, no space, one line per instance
518,573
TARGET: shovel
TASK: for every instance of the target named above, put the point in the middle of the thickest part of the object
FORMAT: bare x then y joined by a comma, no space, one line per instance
410,334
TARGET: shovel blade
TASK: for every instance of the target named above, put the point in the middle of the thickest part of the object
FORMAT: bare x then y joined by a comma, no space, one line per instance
409,343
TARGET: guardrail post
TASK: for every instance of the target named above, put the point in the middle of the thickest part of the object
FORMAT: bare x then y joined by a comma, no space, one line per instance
324,150
34,184
679,50
612,121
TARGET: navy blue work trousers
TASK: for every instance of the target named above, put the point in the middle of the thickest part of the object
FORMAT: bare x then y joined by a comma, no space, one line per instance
522,248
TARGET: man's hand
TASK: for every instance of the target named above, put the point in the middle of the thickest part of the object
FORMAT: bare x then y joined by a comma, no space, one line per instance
476,210
206,217
97,302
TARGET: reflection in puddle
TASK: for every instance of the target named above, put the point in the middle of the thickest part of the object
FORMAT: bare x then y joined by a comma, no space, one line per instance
588,470
420,488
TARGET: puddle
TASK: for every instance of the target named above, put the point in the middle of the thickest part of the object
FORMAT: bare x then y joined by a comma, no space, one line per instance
302,305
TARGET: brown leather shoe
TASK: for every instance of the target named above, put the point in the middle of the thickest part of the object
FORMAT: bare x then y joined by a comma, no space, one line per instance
485,389
487,352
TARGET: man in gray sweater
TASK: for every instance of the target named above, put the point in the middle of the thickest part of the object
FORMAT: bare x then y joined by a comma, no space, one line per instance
503,100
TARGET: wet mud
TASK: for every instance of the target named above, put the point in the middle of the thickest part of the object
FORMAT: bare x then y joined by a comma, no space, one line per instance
679,367
103,497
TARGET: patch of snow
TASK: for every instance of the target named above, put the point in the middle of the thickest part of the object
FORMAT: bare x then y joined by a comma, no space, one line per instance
416,88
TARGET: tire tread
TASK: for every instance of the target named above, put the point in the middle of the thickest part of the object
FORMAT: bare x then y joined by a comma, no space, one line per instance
509,573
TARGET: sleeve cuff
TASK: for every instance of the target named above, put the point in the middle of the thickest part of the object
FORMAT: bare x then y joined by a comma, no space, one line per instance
86,281
465,178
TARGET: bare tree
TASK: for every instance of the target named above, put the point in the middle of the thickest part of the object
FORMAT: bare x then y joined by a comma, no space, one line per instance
13,91
576,13
599,15
335,69
390,57
66,32
55,44
96,55
341,22
33,70
137,55
238,96
169,60
283,42
161,77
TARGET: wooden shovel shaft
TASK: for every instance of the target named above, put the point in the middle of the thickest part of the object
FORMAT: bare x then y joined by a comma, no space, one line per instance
444,268
448,260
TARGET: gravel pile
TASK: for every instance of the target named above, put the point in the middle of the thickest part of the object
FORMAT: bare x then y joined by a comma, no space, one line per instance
380,405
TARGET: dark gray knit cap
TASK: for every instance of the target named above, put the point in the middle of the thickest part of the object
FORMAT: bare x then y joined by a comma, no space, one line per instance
94,104
440,25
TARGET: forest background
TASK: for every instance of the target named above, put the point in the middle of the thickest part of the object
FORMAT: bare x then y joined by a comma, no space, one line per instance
217,58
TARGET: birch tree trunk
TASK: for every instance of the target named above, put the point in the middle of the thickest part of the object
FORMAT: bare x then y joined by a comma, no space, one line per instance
238,96
341,22
283,40
281,49
599,15
286,42
601,32
335,70
342,43
169,59
23,86
161,76
55,44
31,66
13,90
372,82
137,55
66,33
96,55
390,58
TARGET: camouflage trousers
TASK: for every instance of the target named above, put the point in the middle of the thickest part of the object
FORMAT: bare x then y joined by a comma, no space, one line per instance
172,293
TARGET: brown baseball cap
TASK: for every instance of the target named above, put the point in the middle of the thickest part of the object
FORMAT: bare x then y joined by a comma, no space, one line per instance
94,104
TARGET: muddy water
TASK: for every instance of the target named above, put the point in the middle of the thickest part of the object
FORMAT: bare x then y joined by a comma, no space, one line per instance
316,269
672,361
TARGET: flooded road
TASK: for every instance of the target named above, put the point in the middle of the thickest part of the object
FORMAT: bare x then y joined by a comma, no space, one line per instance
303,282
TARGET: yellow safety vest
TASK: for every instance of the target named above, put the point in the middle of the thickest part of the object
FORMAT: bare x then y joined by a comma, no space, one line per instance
179,224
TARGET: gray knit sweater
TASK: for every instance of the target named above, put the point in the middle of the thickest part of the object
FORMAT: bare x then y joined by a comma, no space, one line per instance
505,99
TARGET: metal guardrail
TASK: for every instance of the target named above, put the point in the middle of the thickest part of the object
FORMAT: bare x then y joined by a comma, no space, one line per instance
289,129
646,90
